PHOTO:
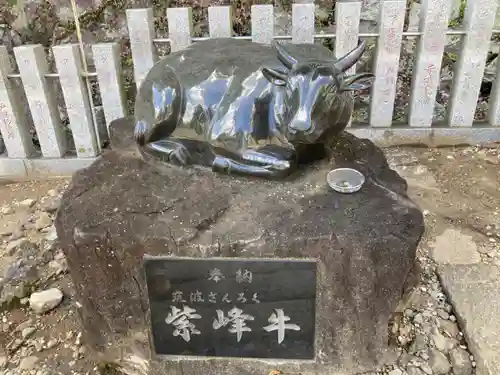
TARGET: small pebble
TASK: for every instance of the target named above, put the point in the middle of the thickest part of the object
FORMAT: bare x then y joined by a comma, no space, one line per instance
43,221
418,319
28,363
27,332
409,313
426,368
51,343
7,210
424,356
44,301
3,361
443,314
27,203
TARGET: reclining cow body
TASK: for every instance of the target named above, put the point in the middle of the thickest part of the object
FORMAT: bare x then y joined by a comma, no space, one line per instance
253,104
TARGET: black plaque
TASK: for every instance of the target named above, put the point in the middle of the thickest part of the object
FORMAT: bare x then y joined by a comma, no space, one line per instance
232,308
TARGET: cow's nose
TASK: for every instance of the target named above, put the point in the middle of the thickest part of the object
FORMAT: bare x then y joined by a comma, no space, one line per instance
301,122
299,126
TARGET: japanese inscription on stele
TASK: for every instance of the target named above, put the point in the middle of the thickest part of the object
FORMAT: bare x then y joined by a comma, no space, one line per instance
222,307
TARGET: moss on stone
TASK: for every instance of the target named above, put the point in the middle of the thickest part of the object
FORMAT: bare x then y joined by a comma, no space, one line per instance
461,12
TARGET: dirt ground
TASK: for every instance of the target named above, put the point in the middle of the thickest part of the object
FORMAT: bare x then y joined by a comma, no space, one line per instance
68,355
456,188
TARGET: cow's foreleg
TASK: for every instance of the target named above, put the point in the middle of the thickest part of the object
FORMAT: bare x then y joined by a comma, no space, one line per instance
229,166
269,161
171,151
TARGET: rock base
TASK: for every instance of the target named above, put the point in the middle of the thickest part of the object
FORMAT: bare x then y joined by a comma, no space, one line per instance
121,208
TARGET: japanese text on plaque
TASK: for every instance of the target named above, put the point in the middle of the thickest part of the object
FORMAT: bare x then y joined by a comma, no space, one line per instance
183,315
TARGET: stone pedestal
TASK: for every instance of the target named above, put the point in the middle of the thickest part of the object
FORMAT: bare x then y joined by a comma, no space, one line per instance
121,208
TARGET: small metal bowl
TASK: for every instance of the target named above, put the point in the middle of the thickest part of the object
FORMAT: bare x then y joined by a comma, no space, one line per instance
345,180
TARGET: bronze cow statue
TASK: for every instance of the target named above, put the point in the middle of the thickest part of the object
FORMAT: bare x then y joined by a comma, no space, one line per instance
245,107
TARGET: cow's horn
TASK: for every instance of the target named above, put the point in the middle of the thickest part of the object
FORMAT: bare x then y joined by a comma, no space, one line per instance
283,56
350,58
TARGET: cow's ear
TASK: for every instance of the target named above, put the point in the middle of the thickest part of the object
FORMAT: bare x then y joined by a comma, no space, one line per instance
357,82
275,76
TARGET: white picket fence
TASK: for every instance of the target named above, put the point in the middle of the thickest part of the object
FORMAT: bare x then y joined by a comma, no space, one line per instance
21,159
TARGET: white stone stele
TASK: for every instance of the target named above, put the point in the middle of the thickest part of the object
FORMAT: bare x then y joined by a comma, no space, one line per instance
303,23
69,66
219,22
180,28
13,127
429,55
141,30
109,76
479,19
392,14
33,66
347,16
262,23
494,102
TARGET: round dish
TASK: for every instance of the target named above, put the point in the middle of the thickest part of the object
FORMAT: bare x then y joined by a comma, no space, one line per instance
345,180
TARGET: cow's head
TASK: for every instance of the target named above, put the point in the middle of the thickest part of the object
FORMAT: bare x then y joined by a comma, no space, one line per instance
315,91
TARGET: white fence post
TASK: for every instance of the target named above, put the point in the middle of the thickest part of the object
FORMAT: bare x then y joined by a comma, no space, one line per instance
392,15
141,33
262,23
478,19
180,27
494,103
219,22
13,127
347,16
434,16
303,23
32,63
427,69
109,76
69,67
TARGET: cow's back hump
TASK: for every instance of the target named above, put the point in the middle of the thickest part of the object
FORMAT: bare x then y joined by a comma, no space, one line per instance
195,63
190,68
